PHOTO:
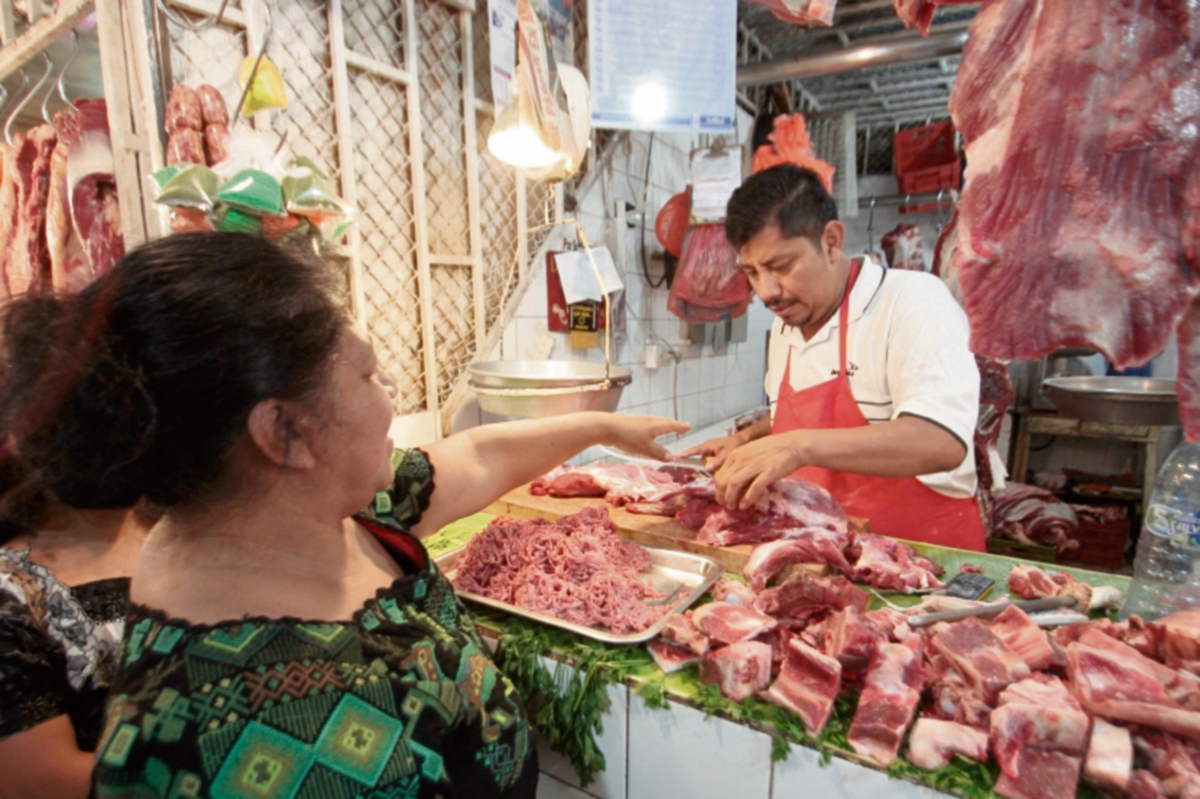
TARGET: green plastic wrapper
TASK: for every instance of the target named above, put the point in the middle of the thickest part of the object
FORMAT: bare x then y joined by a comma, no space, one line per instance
163,176
235,221
306,192
253,192
192,186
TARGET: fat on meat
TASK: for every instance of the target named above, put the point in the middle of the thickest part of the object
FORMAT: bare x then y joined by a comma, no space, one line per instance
890,564
887,702
618,483
853,637
92,185
812,545
1022,635
1172,761
1038,735
933,742
69,269
733,592
982,659
798,501
740,670
1109,761
678,629
670,657
807,684
1030,582
730,624
8,206
1179,634
1079,122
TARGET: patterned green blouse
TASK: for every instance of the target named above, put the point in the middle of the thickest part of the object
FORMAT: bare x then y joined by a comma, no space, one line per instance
401,702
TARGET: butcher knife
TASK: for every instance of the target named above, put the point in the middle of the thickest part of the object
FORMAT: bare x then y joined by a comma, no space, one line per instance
991,609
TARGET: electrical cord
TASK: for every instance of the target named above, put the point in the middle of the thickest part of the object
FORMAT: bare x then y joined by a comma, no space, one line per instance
662,280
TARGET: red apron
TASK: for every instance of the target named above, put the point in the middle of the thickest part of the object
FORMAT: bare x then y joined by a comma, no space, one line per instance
901,507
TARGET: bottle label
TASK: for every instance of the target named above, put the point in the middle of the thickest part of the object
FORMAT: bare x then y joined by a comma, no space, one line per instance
1167,522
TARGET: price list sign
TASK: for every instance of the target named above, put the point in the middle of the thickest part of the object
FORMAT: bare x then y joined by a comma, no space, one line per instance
666,65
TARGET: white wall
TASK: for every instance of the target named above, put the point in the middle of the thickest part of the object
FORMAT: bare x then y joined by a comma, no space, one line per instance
703,387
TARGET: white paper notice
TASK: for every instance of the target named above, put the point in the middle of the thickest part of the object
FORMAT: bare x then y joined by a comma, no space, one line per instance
714,178
668,65
579,279
502,39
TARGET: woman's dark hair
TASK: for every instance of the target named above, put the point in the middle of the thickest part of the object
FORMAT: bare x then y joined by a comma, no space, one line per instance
140,385
24,506
790,196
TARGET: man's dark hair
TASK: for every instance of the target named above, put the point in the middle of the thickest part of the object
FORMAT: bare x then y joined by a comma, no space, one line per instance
788,195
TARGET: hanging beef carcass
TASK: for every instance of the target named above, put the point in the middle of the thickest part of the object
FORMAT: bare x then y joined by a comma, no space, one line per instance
1080,219
26,259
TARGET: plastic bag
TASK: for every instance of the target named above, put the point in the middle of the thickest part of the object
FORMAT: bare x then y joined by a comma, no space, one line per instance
187,186
267,90
709,286
790,144
253,192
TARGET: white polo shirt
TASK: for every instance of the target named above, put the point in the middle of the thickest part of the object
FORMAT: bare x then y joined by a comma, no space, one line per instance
906,353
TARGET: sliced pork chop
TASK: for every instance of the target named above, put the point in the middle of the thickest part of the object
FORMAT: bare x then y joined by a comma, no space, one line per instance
807,684
933,742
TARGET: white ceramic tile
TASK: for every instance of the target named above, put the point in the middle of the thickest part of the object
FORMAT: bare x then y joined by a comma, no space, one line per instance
533,302
551,788
801,775
508,343
680,753
612,741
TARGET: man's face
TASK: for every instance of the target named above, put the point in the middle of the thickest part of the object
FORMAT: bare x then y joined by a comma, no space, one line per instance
793,277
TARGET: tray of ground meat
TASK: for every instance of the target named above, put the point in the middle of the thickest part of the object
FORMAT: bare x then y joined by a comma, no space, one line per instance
576,574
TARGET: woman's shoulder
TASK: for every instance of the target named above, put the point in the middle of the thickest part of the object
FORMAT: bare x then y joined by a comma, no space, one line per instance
403,502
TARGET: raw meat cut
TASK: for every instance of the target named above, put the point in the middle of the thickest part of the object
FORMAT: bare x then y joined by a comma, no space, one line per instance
1033,515
212,106
668,507
733,592
1020,634
890,564
27,260
886,705
806,546
804,596
984,662
184,111
1079,120
932,742
8,206
1030,582
953,699
618,483
1119,684
995,395
1144,785
1171,761
801,12
853,638
1038,736
740,670
69,269
807,685
670,657
902,248
92,185
1109,757
803,503
730,624
679,629
574,568
1180,636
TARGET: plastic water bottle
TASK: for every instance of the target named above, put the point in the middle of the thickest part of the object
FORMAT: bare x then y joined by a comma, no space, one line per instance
1166,571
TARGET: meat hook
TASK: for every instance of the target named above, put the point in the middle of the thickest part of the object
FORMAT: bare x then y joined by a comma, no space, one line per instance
59,83
62,75
3,106
25,100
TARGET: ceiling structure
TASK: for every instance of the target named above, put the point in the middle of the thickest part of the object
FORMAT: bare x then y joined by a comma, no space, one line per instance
909,82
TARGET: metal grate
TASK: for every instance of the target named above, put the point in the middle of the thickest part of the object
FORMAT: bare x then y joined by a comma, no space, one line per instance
376,30
300,47
454,343
210,56
833,139
497,200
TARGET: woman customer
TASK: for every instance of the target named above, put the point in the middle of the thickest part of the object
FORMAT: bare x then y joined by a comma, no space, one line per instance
64,585
278,641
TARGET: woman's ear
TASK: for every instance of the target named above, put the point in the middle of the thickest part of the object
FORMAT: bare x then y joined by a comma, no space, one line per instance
279,431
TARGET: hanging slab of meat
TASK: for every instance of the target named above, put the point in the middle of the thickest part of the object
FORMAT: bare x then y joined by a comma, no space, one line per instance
678,629
740,670
1109,760
805,596
919,13
670,657
1020,634
886,705
730,624
8,208
932,742
984,662
807,684
902,247
95,208
1038,736
1119,684
853,638
890,564
807,546
27,262
1078,121
69,268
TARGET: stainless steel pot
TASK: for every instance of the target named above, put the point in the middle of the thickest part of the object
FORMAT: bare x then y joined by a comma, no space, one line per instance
1125,400
546,388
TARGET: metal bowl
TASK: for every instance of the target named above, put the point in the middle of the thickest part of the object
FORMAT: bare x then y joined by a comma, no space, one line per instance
1124,400
527,389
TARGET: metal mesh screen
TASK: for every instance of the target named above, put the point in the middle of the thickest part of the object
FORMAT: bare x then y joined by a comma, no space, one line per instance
300,47
833,140
377,30
497,202
209,56
454,342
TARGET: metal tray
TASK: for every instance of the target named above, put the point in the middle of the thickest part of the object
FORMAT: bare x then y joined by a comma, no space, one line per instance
670,571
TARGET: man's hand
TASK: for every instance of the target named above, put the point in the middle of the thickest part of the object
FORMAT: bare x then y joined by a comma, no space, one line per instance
751,468
714,451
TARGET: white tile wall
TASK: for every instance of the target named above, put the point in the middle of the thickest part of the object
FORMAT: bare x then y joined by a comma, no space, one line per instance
613,742
802,776
551,788
680,753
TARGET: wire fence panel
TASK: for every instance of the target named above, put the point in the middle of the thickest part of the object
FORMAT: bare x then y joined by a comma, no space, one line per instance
498,201
378,108
376,30
453,342
209,56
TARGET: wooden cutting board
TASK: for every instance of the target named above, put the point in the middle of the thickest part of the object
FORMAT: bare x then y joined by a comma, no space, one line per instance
653,531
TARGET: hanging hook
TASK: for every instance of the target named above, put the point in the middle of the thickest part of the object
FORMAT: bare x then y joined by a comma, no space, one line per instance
14,96
941,220
59,83
62,76
871,227
25,100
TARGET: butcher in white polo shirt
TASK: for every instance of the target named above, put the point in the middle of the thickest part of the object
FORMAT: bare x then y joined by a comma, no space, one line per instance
874,392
